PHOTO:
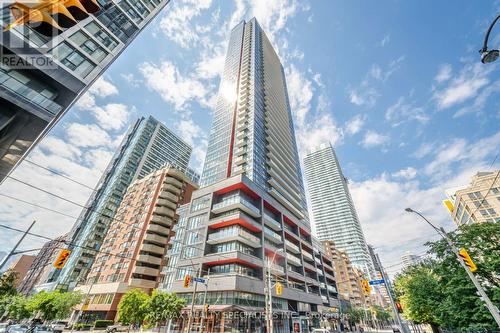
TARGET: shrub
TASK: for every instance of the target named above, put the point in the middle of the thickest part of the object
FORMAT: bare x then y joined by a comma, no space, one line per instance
103,323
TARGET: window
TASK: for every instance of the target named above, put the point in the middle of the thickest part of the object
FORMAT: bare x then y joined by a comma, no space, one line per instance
73,60
89,46
200,203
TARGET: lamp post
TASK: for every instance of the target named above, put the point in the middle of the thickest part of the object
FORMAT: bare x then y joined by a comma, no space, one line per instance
269,292
493,310
489,56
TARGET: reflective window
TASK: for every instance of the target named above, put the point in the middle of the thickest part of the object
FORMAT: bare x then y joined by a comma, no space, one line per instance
72,59
89,46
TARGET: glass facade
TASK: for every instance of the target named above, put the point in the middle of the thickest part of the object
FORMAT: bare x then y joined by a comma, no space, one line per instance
147,147
333,210
252,131
33,99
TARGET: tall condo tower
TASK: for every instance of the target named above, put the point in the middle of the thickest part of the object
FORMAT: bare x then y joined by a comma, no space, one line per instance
333,210
148,146
249,218
252,131
44,71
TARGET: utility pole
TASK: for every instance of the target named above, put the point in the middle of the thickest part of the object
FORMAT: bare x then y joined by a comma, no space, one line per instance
389,291
205,313
190,319
79,313
13,251
491,307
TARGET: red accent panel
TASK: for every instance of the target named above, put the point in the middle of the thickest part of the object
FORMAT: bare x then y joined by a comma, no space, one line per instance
235,221
304,232
270,207
271,253
231,261
287,220
238,186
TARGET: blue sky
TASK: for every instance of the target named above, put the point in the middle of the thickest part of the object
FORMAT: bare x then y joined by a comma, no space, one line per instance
396,86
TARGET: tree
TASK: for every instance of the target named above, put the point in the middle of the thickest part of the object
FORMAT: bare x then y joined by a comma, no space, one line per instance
8,283
440,292
355,315
420,294
132,309
382,314
17,308
162,306
54,305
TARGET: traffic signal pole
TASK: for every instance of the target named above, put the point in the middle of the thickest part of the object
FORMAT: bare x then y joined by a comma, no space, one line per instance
389,292
205,305
13,251
190,319
493,310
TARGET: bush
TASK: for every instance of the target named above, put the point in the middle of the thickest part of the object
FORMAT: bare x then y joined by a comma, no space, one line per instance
103,323
83,327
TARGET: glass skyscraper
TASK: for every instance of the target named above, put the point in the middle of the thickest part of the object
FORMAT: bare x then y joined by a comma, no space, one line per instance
148,146
249,217
252,131
333,210
41,77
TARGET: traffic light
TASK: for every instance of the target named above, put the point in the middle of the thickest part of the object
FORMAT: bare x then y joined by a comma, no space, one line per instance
187,281
366,287
62,258
279,289
467,259
206,308
399,307
50,17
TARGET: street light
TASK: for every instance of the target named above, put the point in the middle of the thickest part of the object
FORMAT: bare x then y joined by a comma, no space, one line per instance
493,310
489,56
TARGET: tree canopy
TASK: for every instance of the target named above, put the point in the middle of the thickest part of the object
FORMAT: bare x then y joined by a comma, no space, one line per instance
162,306
131,309
439,291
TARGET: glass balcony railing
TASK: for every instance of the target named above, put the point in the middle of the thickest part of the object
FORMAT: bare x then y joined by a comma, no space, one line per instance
272,234
307,255
292,246
293,259
236,200
234,233
26,93
272,221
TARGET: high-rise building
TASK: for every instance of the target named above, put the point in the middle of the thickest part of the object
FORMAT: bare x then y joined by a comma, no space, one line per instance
42,75
21,266
333,210
479,202
249,218
132,253
148,146
252,131
409,259
42,266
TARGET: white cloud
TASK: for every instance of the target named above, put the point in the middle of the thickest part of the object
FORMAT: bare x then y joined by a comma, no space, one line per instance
403,111
112,116
300,91
374,139
424,150
172,86
316,131
90,135
354,125
385,40
462,87
480,100
407,173
103,88
189,131
444,73
376,72
364,96
177,24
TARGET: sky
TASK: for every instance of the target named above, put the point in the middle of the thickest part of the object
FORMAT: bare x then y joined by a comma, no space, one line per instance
396,86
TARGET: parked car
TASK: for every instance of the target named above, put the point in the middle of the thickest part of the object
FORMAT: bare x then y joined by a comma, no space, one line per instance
3,327
43,329
17,329
395,329
58,326
321,330
117,328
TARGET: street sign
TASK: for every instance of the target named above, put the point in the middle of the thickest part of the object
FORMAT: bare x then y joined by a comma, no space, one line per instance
199,279
374,282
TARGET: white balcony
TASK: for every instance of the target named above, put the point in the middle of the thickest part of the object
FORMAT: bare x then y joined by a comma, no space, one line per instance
172,189
306,255
146,271
236,203
274,236
167,203
162,220
169,196
173,181
149,259
164,211
153,249
156,239
159,229
331,289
